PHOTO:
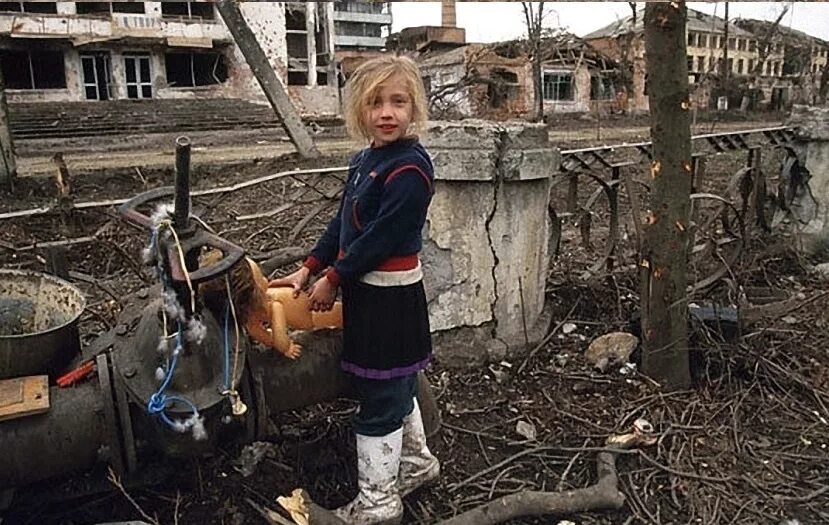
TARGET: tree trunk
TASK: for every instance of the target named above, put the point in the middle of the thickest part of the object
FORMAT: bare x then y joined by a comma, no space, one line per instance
539,96
8,163
763,47
533,20
725,69
663,263
271,85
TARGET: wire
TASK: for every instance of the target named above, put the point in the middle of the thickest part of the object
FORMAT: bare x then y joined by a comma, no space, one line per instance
159,401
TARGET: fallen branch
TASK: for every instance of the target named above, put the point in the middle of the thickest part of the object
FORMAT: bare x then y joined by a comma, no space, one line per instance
603,495
197,193
113,478
277,258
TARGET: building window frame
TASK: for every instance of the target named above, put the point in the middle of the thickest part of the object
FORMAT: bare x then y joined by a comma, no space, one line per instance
35,83
40,8
219,73
557,86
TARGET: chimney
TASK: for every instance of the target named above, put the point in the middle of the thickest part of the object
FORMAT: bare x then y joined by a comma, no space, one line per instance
447,13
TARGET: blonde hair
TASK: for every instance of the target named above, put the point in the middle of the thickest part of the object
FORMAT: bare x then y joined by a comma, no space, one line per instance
367,81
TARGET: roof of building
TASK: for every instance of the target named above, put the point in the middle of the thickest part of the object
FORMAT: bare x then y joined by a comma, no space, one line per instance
564,48
697,21
761,27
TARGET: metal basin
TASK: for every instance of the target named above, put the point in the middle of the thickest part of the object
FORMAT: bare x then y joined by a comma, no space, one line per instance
38,323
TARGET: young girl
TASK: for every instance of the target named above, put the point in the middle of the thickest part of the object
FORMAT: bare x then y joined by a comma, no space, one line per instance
370,250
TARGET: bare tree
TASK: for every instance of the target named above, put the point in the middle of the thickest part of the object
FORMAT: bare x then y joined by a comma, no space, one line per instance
626,62
664,250
764,46
725,69
533,17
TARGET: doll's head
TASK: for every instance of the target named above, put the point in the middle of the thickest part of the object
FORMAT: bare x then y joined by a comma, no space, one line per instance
242,286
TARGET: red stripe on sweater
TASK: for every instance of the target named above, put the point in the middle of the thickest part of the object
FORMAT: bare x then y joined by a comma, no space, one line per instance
396,263
401,169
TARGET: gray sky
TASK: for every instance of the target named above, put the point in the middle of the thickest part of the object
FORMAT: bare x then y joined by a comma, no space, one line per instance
494,21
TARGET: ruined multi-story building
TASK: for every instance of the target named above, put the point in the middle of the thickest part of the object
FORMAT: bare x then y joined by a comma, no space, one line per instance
361,28
804,58
76,51
361,24
712,51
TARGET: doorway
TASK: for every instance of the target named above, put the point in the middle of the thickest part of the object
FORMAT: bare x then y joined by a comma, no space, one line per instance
96,75
138,77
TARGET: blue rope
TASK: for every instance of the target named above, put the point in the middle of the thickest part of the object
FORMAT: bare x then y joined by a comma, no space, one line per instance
159,402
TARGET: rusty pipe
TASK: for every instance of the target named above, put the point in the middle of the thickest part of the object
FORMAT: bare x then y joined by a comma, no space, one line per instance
181,218
70,437
315,377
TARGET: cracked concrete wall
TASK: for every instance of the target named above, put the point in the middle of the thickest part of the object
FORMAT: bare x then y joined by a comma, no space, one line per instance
487,232
812,148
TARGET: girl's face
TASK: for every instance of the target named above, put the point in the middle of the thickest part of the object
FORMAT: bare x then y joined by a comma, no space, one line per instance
390,113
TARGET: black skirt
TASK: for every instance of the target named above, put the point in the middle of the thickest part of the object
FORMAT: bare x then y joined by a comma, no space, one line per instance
385,330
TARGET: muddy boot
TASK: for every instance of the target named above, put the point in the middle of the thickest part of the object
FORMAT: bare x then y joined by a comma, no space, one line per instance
378,463
417,465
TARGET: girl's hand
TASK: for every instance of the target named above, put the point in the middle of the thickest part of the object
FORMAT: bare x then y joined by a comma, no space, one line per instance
322,296
296,280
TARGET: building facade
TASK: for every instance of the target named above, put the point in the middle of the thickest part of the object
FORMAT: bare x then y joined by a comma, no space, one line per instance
712,51
361,24
93,51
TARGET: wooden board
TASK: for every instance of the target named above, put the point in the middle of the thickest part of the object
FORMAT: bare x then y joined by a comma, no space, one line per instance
23,396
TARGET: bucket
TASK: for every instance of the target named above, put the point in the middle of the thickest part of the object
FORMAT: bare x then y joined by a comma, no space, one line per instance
38,323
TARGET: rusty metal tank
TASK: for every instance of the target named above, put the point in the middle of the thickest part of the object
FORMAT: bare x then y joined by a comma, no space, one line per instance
38,323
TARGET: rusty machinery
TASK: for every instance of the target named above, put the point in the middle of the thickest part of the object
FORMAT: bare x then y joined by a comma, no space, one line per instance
174,383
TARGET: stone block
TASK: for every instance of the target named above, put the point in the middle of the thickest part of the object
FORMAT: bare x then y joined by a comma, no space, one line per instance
812,122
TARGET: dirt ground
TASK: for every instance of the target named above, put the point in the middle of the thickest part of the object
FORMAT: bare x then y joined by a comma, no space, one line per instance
746,444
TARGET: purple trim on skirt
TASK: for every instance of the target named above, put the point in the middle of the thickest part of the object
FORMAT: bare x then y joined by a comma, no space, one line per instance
373,373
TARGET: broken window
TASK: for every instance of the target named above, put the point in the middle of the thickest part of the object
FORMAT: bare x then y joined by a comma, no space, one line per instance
740,64
203,10
294,17
361,7
195,69
601,88
358,29
557,86
93,8
504,87
33,69
128,7
701,64
29,7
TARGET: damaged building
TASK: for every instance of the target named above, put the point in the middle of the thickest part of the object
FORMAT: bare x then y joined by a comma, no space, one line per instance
361,28
802,64
495,80
743,52
96,51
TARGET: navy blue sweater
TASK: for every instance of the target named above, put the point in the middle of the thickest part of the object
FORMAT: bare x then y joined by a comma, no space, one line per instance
381,214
